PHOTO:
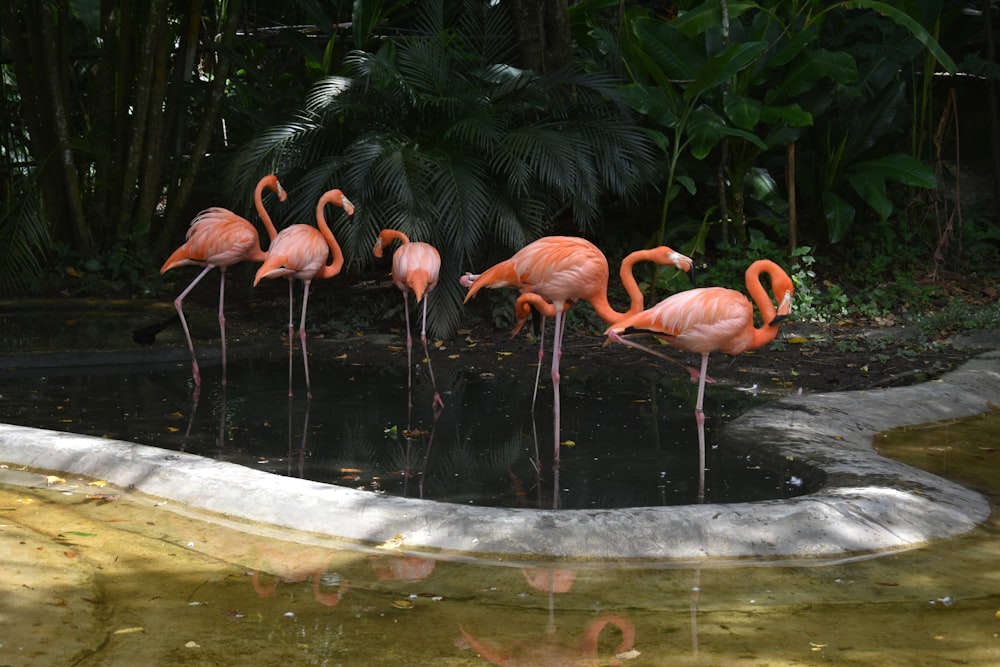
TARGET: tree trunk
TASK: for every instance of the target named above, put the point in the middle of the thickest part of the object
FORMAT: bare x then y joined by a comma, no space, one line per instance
209,116
541,28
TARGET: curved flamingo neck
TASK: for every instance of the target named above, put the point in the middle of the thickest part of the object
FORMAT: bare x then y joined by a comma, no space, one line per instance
333,268
271,183
627,276
389,235
765,333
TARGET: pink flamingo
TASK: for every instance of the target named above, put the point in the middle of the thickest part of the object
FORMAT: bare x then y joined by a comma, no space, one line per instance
555,272
220,238
301,251
707,319
415,268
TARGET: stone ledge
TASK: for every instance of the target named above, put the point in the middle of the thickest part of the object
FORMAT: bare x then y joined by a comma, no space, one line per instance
866,505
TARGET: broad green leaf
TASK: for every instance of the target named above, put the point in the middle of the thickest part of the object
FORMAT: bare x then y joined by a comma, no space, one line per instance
839,216
918,31
809,69
744,112
871,188
688,184
708,15
723,67
792,115
673,54
899,168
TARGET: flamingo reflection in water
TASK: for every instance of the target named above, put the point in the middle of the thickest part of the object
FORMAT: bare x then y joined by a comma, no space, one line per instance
555,272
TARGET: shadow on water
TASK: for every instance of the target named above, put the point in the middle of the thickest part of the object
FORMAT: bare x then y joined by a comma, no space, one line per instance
626,443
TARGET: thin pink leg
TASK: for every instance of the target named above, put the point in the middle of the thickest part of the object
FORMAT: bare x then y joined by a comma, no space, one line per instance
409,348
291,331
556,355
179,306
302,338
538,371
693,372
222,319
699,416
438,403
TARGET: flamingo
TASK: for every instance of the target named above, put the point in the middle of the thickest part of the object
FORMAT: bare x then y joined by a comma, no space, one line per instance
220,238
555,272
707,319
415,268
301,251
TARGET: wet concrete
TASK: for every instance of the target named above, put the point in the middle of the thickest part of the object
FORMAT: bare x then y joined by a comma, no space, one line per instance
866,504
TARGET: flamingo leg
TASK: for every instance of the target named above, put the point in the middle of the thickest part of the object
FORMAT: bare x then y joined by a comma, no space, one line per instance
699,416
291,330
556,356
409,348
538,371
222,319
179,306
693,372
302,337
438,403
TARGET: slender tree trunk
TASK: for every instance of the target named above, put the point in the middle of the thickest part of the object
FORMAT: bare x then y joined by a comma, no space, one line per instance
209,116
44,92
541,28
147,96
153,155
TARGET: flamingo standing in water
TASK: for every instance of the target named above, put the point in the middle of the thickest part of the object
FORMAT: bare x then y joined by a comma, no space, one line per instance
415,268
707,319
220,238
301,251
555,272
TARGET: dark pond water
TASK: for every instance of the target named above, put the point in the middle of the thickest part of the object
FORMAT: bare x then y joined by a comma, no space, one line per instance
629,440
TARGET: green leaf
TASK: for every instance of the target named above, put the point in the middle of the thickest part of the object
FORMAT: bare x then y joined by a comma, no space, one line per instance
871,188
744,112
707,16
918,31
899,168
809,69
667,51
688,184
839,216
792,115
723,67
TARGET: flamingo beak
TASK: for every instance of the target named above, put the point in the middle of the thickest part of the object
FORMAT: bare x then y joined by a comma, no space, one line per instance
784,309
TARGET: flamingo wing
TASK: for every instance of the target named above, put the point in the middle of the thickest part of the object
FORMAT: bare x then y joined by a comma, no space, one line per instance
218,237
698,320
299,251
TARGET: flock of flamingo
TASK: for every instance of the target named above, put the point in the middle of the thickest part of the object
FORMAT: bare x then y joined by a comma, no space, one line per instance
552,274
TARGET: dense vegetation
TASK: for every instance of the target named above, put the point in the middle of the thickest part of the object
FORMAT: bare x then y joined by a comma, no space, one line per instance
826,135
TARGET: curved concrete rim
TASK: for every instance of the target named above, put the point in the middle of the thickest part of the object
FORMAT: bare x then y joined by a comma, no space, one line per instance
866,505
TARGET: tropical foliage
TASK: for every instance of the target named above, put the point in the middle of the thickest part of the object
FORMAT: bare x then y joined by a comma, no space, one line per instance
435,135
722,127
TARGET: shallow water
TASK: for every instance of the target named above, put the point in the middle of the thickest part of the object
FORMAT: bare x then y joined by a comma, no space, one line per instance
625,443
123,580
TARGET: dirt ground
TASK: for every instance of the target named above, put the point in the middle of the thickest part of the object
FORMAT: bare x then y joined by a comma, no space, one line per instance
813,357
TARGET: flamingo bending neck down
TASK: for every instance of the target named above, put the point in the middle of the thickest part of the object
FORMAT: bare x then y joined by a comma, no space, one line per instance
707,319
555,272
220,238
301,251
415,268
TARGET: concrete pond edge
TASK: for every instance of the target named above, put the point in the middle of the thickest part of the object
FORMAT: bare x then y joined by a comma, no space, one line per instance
865,504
